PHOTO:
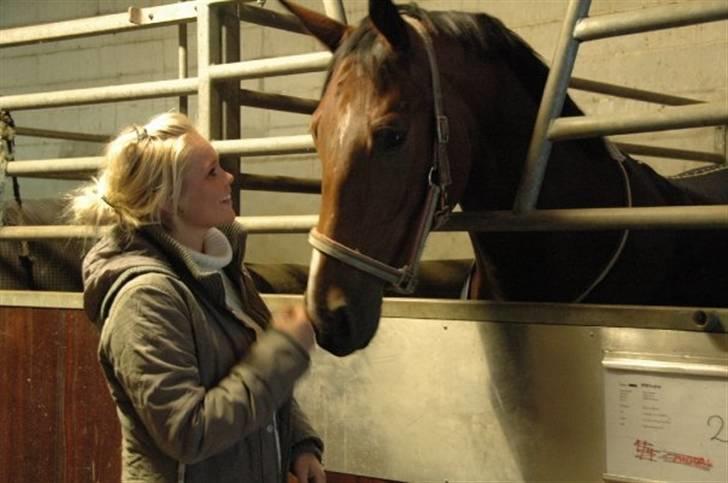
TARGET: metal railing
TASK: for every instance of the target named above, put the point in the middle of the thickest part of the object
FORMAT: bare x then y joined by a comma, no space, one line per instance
577,27
213,72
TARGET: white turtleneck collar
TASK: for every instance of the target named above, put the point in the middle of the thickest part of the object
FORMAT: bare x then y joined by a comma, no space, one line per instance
216,254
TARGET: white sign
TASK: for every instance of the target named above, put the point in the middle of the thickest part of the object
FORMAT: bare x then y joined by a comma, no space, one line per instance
665,426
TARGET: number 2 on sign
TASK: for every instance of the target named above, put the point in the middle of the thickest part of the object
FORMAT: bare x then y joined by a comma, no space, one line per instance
718,436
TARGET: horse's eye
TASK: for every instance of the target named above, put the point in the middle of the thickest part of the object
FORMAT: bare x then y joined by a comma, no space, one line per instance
389,139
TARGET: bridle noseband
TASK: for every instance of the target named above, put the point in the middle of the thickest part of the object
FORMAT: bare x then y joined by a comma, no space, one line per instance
436,209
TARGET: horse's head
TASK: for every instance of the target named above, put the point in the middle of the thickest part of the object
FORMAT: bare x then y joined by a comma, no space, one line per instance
375,133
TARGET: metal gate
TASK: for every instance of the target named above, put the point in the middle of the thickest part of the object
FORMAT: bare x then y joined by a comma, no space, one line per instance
449,390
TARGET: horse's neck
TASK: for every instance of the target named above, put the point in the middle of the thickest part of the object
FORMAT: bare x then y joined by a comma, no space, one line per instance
539,266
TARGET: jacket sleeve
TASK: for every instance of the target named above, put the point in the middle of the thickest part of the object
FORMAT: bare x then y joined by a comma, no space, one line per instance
304,437
149,345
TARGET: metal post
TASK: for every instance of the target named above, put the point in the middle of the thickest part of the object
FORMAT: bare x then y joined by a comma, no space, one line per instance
182,64
335,10
209,105
551,104
230,94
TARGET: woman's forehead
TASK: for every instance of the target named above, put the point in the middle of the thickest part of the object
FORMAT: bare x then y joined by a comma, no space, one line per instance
199,150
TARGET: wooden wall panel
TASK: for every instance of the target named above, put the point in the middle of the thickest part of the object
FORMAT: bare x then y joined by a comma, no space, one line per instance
57,421
59,424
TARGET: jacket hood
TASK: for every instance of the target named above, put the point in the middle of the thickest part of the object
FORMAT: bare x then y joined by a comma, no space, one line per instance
116,259
112,262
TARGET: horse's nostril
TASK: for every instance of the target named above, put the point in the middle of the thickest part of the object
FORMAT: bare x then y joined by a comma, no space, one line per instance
342,322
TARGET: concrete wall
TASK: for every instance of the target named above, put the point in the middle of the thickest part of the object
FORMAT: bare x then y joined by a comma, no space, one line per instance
688,61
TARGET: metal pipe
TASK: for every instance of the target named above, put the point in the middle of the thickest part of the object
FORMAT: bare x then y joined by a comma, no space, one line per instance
275,66
71,136
134,19
707,217
551,105
50,166
206,53
294,64
266,146
647,19
662,152
712,114
244,147
335,10
278,224
277,102
96,95
279,184
629,92
228,93
51,232
285,145
182,64
269,18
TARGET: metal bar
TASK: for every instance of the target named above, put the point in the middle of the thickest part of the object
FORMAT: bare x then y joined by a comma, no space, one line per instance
649,317
551,105
295,64
277,102
278,224
707,217
662,152
335,10
96,95
595,219
269,18
629,92
643,20
71,136
182,64
243,147
290,145
284,184
712,114
266,146
204,84
50,166
694,367
253,69
50,232
134,19
229,93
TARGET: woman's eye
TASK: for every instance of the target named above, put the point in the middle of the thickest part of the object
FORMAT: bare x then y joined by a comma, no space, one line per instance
388,139
213,172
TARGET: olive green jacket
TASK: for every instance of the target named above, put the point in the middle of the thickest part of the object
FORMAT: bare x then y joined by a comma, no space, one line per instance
198,397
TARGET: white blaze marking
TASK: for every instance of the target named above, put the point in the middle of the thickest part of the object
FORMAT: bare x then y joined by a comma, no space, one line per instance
344,122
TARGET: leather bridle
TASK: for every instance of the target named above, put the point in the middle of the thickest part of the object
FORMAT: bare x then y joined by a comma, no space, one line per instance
434,213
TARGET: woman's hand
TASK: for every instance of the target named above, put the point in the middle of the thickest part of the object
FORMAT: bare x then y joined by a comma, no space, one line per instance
294,322
308,469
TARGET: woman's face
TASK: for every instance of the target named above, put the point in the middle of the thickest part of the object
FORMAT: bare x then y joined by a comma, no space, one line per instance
205,200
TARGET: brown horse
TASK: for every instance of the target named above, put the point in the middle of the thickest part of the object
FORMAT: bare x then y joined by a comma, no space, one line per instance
424,110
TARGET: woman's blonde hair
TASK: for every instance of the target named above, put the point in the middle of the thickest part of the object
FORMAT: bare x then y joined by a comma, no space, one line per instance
142,173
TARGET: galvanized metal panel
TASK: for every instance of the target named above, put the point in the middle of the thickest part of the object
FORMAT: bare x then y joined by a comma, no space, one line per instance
434,400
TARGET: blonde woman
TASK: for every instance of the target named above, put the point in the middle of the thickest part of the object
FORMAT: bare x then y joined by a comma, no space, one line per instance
200,372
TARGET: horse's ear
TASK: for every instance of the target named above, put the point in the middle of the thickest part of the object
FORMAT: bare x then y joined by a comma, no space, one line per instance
327,30
387,20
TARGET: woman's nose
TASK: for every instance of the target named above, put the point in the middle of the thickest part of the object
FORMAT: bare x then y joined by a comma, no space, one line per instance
230,177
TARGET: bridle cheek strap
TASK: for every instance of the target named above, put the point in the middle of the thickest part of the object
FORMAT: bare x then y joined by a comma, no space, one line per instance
403,279
434,214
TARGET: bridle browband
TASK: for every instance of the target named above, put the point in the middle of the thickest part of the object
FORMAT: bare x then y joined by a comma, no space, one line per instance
436,209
